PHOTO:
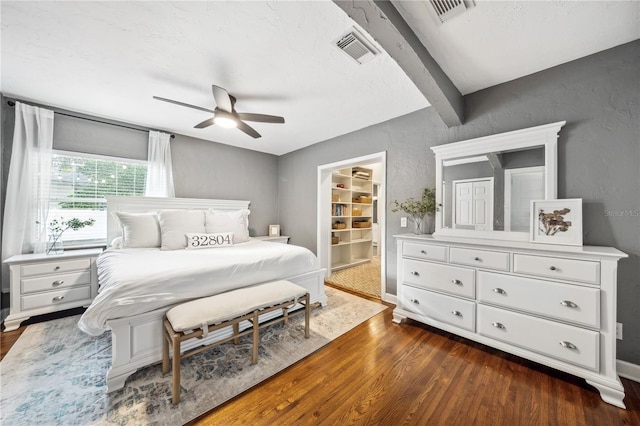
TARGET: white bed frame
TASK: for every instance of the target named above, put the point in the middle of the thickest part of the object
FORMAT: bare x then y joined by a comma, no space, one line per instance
137,340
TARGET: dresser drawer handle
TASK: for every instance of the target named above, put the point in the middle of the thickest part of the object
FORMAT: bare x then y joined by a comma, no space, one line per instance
457,313
56,283
423,251
499,291
415,273
456,282
553,268
57,298
568,345
568,304
57,268
498,325
416,301
477,259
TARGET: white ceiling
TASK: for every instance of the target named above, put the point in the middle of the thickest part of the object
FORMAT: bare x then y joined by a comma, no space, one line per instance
109,58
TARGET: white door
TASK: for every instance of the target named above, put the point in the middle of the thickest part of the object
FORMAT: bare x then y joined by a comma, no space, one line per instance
473,204
483,205
463,196
520,187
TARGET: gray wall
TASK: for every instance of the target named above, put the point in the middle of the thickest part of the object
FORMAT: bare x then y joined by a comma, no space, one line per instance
599,158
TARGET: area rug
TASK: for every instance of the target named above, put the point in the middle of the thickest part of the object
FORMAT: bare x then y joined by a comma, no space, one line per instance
55,374
364,278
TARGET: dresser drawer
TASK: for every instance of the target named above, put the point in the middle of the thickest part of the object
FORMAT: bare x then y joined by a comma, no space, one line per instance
564,342
586,271
425,251
58,297
446,278
480,258
447,309
53,282
60,266
566,302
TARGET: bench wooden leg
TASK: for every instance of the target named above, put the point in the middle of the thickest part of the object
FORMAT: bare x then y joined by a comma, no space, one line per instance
256,337
165,348
236,331
175,388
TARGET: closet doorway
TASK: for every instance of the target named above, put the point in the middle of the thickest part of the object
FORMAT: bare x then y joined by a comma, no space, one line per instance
351,223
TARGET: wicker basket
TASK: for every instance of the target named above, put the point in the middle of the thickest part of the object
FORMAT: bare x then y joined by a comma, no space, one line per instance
335,240
335,198
356,212
362,199
362,224
339,226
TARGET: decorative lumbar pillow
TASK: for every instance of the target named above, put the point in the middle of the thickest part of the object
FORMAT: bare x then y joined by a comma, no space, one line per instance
139,230
199,241
117,243
236,221
175,224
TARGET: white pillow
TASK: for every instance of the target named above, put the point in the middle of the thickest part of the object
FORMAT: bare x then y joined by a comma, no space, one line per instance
139,229
175,224
117,243
237,221
200,241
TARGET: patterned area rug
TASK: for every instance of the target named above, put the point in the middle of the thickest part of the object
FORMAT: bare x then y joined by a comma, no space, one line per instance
363,278
54,374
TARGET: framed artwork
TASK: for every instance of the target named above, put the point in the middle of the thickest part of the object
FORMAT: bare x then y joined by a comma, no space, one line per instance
557,221
274,230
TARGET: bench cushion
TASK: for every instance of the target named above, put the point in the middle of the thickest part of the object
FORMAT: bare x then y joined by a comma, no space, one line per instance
232,304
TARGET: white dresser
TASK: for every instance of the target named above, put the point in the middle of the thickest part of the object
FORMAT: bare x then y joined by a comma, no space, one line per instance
554,305
41,284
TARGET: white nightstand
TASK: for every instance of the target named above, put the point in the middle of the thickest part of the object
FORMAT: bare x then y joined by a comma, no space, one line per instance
284,239
41,283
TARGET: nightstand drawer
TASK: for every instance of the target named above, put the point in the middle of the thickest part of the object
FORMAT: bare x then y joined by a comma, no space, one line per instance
444,278
425,251
59,266
56,281
572,344
563,269
52,298
480,258
450,310
566,302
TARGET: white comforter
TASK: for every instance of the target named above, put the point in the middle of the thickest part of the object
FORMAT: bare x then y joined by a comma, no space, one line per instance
135,281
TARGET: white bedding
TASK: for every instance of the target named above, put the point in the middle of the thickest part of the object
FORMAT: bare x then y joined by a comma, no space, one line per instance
139,280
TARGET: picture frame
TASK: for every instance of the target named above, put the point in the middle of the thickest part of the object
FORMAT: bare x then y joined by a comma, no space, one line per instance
274,230
556,222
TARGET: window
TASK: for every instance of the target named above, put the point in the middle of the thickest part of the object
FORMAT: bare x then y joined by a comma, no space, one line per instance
79,183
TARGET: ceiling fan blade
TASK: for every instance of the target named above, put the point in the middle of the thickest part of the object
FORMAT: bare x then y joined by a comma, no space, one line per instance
262,118
171,101
248,129
205,123
223,101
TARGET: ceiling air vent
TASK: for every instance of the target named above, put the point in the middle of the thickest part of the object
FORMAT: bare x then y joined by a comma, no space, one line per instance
447,9
356,45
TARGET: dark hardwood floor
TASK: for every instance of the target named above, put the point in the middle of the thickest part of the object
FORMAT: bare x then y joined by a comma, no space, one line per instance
381,373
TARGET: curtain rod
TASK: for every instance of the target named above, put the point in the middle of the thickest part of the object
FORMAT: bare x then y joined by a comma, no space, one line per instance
12,103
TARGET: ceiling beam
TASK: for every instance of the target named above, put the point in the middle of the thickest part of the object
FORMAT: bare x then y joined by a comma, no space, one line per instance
385,24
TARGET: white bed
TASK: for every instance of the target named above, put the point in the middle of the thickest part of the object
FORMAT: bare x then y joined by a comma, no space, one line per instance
138,285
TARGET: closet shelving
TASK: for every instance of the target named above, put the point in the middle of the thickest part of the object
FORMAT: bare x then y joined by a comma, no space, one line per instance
351,217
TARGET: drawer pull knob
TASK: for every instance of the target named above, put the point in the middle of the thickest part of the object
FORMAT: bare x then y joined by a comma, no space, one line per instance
477,259
499,291
568,304
57,268
415,273
56,283
457,282
58,298
416,301
498,325
457,313
553,268
568,345
423,251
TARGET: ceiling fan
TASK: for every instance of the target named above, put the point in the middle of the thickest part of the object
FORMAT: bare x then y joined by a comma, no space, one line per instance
225,114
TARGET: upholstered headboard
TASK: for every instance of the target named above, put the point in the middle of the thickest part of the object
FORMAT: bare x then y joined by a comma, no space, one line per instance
146,204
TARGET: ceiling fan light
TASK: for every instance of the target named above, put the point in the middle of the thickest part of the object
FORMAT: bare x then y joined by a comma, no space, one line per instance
227,122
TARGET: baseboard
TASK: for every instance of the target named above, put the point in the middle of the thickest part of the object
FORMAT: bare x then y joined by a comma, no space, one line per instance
390,298
3,314
628,370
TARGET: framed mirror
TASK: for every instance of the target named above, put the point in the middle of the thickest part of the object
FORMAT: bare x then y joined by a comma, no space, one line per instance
485,185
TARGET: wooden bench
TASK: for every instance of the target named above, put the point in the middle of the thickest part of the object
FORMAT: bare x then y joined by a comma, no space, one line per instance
197,318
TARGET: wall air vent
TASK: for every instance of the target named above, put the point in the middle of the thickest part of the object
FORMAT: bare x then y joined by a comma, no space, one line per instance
357,46
447,9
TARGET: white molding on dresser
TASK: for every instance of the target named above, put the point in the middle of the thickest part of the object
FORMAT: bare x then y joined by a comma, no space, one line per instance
628,370
552,305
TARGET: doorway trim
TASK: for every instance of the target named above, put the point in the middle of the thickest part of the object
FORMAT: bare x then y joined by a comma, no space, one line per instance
323,237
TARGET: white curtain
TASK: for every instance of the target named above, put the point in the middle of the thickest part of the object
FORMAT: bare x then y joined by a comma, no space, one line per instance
159,174
27,201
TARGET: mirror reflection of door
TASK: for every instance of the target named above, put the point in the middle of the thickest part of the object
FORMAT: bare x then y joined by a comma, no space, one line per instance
520,187
473,204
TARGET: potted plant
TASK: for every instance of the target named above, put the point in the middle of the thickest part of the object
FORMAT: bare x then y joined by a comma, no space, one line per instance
58,227
418,209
